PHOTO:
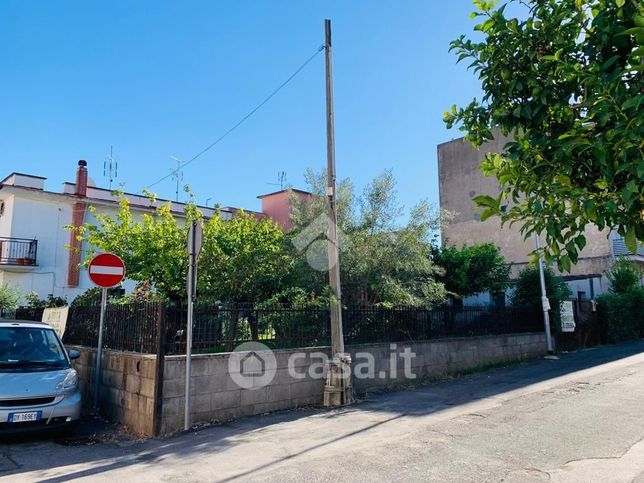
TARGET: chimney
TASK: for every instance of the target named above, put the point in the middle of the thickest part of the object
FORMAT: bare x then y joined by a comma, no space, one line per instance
78,217
81,179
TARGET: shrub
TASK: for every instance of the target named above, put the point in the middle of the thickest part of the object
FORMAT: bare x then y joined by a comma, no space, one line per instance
624,276
34,302
622,315
10,297
527,293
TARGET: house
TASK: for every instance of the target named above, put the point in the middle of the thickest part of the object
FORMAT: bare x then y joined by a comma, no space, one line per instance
33,238
460,179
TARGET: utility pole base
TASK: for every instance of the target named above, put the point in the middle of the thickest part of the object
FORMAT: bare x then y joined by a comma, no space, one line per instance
338,390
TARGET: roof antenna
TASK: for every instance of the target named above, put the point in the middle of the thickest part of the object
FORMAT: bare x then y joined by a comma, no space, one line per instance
177,174
111,167
281,180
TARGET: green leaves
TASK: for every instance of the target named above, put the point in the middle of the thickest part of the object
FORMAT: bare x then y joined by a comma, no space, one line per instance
564,82
472,269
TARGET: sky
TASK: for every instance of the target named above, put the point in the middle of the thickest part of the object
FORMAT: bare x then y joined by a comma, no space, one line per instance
159,79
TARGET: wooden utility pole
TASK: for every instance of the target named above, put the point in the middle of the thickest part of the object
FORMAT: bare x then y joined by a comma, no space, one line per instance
337,390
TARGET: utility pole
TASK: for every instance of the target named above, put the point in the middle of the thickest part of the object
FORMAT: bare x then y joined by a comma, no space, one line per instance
337,390
545,303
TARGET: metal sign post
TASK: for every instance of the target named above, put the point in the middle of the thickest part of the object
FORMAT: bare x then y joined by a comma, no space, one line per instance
99,350
106,270
195,240
545,303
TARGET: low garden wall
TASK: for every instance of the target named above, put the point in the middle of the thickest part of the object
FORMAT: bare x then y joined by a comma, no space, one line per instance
149,398
216,396
128,385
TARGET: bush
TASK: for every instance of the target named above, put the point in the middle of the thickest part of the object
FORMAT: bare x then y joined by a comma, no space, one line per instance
10,297
528,293
624,276
622,315
34,302
92,296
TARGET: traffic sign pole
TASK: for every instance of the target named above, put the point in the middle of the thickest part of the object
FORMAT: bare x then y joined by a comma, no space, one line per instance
99,350
106,270
195,240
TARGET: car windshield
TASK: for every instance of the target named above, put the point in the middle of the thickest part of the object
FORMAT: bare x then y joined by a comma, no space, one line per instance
30,348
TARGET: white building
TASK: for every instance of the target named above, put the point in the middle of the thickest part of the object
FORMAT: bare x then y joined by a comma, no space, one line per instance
33,238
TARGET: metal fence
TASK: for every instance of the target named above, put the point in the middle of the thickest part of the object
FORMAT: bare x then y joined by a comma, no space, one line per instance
128,327
151,327
222,328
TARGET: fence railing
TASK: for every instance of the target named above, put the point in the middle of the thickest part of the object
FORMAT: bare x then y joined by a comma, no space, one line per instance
143,327
18,251
128,327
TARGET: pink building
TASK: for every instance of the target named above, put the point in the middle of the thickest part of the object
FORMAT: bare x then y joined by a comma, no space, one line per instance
277,205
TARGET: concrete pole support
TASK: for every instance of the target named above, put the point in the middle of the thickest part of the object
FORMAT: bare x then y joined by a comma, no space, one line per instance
338,390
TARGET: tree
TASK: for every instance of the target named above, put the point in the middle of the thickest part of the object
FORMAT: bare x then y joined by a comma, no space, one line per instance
472,269
382,261
565,81
242,259
152,247
527,292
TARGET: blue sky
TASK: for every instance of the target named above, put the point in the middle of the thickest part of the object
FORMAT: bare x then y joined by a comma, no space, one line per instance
160,78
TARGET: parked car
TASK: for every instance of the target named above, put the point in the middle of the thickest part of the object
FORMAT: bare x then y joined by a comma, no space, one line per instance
38,386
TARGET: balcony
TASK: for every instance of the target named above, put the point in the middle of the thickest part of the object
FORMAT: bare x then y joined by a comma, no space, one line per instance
18,252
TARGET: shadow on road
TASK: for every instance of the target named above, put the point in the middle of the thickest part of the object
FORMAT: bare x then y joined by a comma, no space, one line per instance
18,457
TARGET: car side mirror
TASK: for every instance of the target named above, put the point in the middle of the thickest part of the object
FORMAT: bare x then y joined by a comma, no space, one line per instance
73,354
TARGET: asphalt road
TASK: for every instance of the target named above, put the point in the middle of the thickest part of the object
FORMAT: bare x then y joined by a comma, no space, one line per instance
577,419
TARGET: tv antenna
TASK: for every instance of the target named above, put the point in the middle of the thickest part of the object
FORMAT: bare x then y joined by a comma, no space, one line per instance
177,174
111,167
281,180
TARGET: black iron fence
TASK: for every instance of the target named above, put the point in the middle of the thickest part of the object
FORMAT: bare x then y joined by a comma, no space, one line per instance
128,327
151,327
18,251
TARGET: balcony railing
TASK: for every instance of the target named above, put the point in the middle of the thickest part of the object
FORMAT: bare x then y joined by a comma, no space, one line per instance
18,251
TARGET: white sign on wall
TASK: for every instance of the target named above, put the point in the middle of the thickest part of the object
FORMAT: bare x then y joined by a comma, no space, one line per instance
567,317
57,318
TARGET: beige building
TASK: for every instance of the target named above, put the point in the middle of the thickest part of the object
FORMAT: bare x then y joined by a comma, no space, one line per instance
460,179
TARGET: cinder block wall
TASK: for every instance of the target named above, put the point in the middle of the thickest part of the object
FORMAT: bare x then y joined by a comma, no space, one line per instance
128,382
442,357
216,397
127,387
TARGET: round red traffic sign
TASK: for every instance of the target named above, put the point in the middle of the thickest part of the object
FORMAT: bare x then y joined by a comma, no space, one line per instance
106,270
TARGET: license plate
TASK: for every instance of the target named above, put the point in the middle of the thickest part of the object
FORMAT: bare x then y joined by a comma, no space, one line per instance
25,417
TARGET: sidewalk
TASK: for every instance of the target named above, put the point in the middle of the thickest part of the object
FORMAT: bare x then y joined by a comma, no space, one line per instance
529,422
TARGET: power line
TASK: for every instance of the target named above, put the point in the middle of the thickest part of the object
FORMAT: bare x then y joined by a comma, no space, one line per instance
243,119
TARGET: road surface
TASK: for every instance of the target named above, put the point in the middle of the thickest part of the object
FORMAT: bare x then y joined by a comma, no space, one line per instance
577,419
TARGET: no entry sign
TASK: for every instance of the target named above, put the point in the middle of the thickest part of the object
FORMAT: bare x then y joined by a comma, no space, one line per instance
106,270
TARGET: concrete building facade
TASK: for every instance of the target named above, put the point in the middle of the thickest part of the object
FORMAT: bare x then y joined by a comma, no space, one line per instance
461,179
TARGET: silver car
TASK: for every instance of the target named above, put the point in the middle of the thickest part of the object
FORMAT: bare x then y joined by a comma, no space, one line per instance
38,387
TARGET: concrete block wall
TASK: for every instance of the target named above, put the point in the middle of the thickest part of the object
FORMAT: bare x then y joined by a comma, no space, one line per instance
443,356
127,387
216,397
